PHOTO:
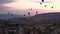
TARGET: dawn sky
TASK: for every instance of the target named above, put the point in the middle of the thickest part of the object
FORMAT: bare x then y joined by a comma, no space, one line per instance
23,6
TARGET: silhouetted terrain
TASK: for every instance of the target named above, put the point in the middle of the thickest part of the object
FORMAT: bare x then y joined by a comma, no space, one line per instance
47,16
48,23
9,16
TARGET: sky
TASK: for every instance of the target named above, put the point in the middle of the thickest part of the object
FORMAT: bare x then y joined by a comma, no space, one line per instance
24,6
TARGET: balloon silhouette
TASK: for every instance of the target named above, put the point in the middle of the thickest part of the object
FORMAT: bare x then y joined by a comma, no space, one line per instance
52,7
42,0
40,3
36,12
24,15
28,13
30,9
45,5
11,14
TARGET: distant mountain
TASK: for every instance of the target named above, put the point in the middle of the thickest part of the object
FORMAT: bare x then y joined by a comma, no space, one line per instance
9,16
37,17
47,17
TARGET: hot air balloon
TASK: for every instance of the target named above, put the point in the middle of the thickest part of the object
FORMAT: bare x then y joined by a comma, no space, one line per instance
45,5
8,12
24,15
30,9
45,1
28,13
11,14
42,0
40,3
36,12
52,7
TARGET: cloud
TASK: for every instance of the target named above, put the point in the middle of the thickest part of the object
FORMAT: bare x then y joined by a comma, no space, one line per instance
6,1
4,9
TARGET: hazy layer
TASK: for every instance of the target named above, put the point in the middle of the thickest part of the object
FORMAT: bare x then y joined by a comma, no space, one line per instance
24,5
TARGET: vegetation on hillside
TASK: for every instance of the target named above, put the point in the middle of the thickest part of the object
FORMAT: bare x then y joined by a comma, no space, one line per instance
46,27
